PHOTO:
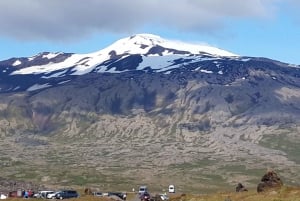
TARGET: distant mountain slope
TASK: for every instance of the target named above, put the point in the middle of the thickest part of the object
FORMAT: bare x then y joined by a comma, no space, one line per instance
149,110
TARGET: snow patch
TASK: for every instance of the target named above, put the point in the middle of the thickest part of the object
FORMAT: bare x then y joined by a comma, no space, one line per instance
50,67
16,63
59,74
294,65
167,72
245,59
63,82
50,55
38,86
206,71
16,88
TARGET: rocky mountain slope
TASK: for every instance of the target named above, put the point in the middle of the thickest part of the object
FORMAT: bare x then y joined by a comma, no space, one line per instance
149,110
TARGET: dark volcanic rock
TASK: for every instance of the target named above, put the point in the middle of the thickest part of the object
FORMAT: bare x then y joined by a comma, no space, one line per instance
268,181
240,188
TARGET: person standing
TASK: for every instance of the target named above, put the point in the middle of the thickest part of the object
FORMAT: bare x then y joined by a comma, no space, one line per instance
26,194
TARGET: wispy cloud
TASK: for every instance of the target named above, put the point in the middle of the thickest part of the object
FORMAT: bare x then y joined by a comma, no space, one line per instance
71,19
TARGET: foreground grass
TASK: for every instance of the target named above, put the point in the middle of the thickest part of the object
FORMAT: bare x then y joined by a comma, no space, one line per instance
283,194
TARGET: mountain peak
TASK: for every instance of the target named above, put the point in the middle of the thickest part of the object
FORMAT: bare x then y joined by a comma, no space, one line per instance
142,43
145,36
146,39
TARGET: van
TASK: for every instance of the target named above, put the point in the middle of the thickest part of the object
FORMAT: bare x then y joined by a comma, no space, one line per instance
143,189
171,189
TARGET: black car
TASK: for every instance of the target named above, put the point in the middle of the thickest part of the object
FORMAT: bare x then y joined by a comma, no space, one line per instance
118,194
66,194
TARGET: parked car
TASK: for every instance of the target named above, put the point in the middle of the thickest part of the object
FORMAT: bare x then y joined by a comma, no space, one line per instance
145,196
42,194
2,196
171,189
118,194
143,189
51,195
98,194
66,194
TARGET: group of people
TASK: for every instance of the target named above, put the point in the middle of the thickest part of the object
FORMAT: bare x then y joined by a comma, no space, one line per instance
28,193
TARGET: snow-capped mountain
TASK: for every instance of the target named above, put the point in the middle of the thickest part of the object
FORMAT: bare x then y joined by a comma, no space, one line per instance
149,102
142,52
146,45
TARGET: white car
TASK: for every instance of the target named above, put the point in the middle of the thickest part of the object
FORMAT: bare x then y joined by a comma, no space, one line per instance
171,189
51,195
143,189
98,194
2,196
42,194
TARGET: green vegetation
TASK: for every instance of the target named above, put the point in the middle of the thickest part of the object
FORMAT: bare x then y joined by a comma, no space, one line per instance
283,143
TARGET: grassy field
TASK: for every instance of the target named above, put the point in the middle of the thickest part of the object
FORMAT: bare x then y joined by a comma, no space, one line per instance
283,194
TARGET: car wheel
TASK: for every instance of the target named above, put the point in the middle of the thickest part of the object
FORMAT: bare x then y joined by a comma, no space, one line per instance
60,197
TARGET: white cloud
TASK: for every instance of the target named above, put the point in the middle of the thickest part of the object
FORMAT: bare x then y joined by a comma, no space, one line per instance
70,19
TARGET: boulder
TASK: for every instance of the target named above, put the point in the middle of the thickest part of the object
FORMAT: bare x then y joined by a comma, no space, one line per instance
269,181
240,188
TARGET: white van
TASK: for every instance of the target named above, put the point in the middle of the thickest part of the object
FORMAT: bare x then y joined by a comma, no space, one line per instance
171,189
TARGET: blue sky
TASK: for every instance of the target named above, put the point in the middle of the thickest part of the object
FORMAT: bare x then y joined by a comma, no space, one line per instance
264,28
